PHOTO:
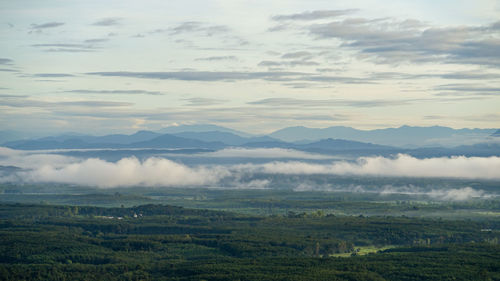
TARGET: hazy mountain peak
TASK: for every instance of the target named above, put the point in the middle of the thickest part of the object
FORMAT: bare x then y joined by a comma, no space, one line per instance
403,136
201,128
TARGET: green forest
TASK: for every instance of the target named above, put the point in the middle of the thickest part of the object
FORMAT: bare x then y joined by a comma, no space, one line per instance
164,242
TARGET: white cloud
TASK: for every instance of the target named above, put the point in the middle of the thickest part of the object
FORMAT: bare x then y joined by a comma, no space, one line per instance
30,160
445,194
457,194
163,172
400,166
128,172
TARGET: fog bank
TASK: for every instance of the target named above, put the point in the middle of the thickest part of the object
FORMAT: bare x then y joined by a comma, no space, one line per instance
400,166
164,172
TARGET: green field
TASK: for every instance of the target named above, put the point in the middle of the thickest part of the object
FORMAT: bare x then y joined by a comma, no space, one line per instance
363,250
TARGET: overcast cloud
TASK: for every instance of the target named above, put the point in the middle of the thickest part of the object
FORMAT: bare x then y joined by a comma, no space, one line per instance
179,59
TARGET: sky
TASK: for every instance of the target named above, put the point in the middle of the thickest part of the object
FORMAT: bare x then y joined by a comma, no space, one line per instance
103,67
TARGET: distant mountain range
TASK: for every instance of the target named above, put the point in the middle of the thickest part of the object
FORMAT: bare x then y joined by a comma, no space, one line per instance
141,139
201,128
405,136
419,141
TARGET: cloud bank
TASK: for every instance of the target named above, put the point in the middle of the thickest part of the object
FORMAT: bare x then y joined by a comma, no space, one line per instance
128,172
400,166
164,172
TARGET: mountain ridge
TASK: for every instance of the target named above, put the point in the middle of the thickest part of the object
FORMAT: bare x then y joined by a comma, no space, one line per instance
320,140
404,136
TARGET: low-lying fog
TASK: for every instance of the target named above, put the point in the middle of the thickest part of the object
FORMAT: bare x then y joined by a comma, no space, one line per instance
252,168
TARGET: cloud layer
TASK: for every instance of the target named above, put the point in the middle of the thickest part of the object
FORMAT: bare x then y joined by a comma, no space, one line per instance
128,172
401,166
163,172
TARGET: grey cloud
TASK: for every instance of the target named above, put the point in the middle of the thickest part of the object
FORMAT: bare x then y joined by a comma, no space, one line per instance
483,118
96,103
195,29
337,79
289,102
96,40
467,90
434,117
302,63
46,25
203,114
189,26
24,101
326,69
13,96
217,58
200,27
495,25
471,95
298,85
411,24
42,104
204,101
461,75
67,50
112,92
272,53
314,15
269,63
399,76
52,75
294,55
457,98
279,27
288,63
8,70
200,75
62,45
107,22
207,76
48,80
66,47
470,75
335,117
158,30
392,41
6,61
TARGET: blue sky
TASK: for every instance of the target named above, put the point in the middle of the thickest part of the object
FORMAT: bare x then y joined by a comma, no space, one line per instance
120,66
